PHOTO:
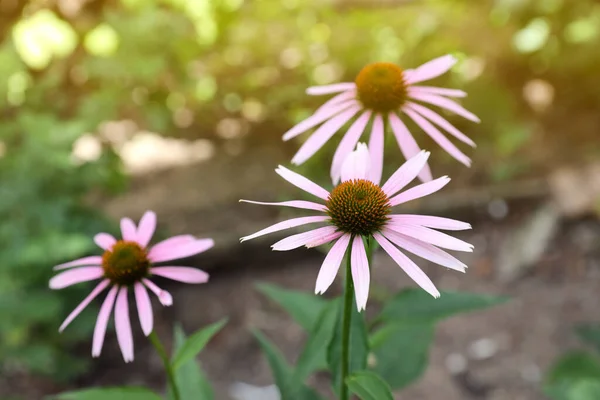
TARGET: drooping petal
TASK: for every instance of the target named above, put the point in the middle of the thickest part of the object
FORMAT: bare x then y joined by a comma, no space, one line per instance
431,236
101,286
146,228
424,250
123,325
324,239
306,205
328,89
331,264
357,164
75,275
181,251
128,230
290,223
437,90
164,297
411,269
87,261
104,240
376,150
144,308
168,244
348,144
360,272
421,190
438,137
441,122
323,134
102,321
181,274
337,99
408,145
406,173
318,117
301,182
302,239
431,69
447,104
431,222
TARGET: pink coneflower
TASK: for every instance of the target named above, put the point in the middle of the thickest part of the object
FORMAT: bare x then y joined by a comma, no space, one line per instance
358,207
127,264
381,93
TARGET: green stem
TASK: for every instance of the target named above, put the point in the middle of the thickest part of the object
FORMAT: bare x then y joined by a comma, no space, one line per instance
168,367
347,317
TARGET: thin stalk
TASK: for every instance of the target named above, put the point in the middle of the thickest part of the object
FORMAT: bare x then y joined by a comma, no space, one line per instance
168,367
346,319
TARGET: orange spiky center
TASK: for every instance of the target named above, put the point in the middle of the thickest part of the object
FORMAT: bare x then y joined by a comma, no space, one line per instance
125,263
381,87
358,207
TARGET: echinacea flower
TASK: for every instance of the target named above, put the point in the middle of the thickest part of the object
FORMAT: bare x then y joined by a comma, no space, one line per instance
127,265
358,207
381,93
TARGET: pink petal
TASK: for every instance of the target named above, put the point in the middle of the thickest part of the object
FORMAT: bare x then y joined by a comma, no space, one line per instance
357,164
128,230
164,297
104,240
331,264
408,145
92,261
170,243
431,236
146,228
325,239
360,272
406,173
447,104
432,69
75,275
376,149
303,183
438,137
181,251
123,325
99,288
337,99
411,269
144,308
323,134
431,222
302,239
437,90
441,122
102,321
181,274
290,223
328,89
323,114
348,144
306,205
421,190
424,250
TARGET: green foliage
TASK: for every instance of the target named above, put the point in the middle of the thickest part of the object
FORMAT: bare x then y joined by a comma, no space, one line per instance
190,379
113,393
369,386
195,344
590,333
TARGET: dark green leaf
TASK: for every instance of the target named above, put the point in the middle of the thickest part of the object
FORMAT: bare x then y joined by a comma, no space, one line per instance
368,386
190,379
303,307
573,366
415,305
590,333
195,343
112,393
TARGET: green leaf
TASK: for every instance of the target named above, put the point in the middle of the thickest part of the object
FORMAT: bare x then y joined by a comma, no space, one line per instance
195,343
110,393
590,333
573,366
401,352
303,307
359,346
586,389
369,386
313,355
190,379
415,305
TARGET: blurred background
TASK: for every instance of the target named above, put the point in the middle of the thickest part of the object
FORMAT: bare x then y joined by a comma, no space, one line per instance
112,107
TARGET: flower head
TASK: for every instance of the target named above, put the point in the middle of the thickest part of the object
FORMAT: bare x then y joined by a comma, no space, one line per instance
381,93
359,207
128,264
